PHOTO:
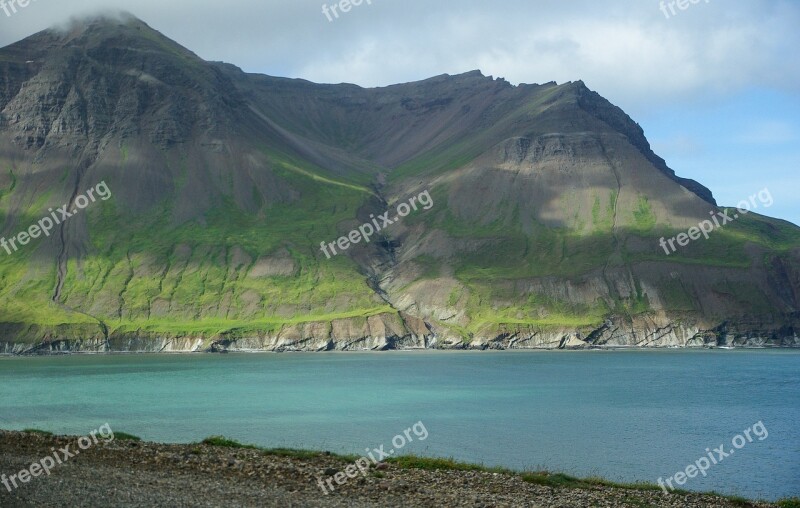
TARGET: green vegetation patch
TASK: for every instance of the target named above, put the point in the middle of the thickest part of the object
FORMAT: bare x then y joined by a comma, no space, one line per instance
644,219
223,442
37,431
124,436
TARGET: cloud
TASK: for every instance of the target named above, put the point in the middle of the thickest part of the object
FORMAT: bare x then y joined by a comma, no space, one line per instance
628,51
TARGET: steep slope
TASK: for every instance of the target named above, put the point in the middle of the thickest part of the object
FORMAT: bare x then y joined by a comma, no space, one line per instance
547,209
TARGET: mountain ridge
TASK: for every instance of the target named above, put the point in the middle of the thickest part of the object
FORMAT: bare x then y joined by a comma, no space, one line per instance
549,203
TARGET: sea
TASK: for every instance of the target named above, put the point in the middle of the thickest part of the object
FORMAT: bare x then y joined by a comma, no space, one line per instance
624,415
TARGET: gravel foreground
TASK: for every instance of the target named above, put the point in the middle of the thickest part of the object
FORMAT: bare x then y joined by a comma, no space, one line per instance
124,473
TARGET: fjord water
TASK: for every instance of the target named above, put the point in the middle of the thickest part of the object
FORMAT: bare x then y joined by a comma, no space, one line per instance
623,415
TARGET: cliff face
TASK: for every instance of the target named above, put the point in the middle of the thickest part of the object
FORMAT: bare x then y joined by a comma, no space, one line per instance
546,210
392,332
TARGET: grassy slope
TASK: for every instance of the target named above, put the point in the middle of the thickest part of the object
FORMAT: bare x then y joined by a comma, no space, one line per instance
132,267
319,291
323,290
511,253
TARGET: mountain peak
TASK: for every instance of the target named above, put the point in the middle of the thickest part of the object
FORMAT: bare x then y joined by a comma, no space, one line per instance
108,32
102,29
107,22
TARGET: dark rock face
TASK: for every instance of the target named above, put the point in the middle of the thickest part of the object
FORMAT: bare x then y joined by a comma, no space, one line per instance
593,103
548,209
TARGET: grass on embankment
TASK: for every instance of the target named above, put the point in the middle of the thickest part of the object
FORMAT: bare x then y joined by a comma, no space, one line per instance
37,431
561,480
224,442
544,478
118,436
124,436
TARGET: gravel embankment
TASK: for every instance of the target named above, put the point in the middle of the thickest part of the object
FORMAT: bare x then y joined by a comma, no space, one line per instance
135,474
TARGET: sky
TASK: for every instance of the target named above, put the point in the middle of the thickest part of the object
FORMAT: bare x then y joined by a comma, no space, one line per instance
715,86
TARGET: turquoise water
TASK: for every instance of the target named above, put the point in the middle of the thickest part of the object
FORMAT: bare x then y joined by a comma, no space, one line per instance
624,415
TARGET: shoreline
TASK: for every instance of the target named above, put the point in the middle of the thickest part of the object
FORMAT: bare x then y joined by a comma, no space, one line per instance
219,472
488,350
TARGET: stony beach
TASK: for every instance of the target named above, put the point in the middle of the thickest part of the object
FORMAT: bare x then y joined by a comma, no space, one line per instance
128,473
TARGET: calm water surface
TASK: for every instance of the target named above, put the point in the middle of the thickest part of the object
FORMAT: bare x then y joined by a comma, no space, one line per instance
624,415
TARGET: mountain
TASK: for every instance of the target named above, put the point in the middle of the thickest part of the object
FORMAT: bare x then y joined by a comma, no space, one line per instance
544,213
